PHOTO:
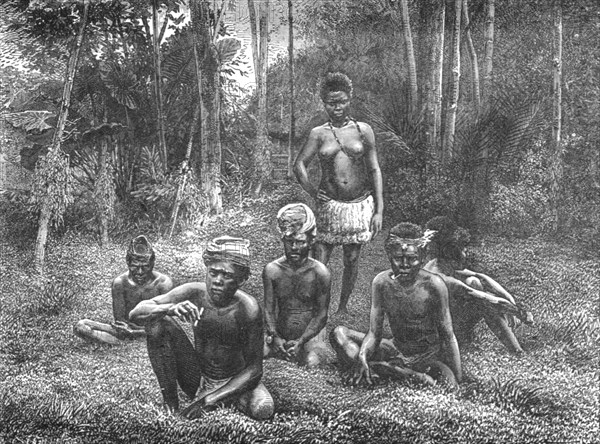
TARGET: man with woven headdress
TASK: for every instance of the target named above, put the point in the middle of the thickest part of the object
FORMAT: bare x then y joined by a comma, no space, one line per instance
447,254
223,361
140,282
297,291
415,302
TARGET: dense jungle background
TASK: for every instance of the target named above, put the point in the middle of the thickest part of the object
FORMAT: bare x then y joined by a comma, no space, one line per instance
181,120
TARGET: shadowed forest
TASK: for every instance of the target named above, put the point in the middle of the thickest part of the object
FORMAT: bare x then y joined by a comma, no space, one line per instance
181,120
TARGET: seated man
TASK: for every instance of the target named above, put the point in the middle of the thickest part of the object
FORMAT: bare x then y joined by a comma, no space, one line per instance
467,305
225,363
415,302
129,289
297,290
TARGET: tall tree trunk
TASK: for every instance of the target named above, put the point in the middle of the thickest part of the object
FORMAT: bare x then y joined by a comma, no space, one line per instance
450,128
160,118
184,170
410,56
472,55
254,40
55,157
102,180
262,149
556,169
489,49
208,72
434,16
292,130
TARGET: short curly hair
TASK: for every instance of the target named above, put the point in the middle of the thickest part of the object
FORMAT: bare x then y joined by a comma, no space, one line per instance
336,81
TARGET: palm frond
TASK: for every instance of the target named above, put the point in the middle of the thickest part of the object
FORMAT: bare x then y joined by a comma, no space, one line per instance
30,121
498,136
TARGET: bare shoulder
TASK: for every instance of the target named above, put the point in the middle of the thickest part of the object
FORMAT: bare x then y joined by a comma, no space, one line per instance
119,281
249,305
318,131
431,276
320,268
365,127
382,279
162,279
273,267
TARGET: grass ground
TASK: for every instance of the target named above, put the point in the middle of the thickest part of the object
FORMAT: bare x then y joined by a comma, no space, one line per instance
56,388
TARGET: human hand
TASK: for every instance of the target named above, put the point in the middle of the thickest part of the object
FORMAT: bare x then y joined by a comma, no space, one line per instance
362,373
376,222
122,329
322,197
197,409
278,347
186,310
293,349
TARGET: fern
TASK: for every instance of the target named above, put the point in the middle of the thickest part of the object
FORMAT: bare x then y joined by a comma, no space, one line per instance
579,329
513,396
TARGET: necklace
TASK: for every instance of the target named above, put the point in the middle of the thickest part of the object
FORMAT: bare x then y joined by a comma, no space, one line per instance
342,147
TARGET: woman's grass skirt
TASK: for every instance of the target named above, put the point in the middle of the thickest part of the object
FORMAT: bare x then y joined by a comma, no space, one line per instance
340,223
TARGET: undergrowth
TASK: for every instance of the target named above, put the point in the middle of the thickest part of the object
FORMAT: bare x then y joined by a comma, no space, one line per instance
56,388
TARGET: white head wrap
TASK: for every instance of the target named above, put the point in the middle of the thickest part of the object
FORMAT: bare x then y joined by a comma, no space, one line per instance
295,218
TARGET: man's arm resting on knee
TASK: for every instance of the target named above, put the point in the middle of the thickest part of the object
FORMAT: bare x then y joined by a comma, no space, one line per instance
166,304
496,303
495,286
446,332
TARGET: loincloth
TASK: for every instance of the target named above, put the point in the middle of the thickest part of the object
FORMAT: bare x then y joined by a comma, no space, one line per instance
340,223
416,360
431,353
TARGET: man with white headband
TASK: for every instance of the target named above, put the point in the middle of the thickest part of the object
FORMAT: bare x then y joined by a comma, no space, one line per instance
297,292
415,302
223,364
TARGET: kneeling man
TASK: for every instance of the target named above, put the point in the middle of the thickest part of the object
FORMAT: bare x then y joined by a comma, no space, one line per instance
416,304
128,289
297,291
225,363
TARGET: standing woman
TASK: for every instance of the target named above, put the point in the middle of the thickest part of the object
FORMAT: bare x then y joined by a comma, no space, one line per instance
349,198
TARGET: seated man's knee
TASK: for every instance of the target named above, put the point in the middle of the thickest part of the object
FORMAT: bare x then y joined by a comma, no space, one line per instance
443,374
82,329
338,336
261,405
474,282
159,328
316,357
